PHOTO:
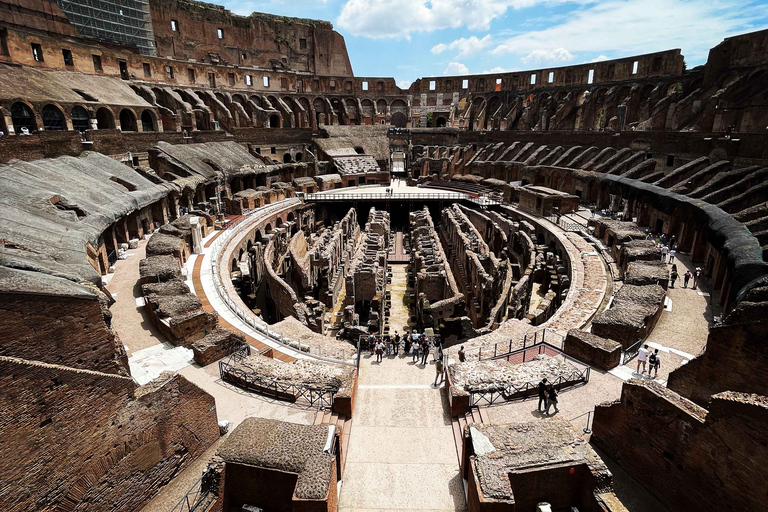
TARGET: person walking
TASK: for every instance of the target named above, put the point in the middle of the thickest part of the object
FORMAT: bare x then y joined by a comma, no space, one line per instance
671,255
424,351
439,372
396,343
542,394
696,277
388,345
664,252
673,277
438,347
372,344
379,351
551,399
642,357
672,242
406,343
462,355
686,278
415,348
654,360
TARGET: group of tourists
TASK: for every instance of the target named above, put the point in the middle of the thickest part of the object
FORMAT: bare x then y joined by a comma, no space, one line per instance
418,345
548,396
668,254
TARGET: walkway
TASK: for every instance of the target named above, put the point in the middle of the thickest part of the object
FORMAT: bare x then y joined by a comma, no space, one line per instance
401,451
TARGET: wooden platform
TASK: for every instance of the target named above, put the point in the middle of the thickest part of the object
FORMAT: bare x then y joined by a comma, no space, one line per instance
197,283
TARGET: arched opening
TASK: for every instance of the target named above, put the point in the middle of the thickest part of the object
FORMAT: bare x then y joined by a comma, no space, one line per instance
22,117
80,120
381,107
234,265
148,121
299,156
274,121
257,236
279,222
399,120
268,228
104,119
287,158
53,118
128,121
440,122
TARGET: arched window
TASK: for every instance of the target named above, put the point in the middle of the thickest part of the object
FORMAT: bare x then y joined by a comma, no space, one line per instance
274,121
147,121
22,117
80,120
53,119
127,121
104,119
299,157
286,158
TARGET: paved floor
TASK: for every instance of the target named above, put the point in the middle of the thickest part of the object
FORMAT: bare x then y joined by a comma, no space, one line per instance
130,320
401,453
399,318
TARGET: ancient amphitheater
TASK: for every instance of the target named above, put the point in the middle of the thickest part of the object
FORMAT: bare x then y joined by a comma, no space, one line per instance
211,227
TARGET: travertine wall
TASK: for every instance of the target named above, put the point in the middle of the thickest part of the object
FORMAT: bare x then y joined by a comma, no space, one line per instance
89,441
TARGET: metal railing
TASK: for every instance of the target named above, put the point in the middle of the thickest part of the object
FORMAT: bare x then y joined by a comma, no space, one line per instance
480,199
579,376
530,339
248,317
192,500
229,372
588,427
630,353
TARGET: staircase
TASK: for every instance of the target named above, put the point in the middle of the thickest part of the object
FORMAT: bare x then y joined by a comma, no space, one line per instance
475,415
343,428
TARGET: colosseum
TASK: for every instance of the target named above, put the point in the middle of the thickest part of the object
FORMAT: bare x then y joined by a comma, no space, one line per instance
229,267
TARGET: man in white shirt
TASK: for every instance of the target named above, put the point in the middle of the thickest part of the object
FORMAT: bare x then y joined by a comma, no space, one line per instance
642,357
672,256
664,251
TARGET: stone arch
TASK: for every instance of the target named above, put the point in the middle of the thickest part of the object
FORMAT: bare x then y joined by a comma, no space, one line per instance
287,158
23,116
53,118
274,121
368,109
319,107
128,121
80,119
279,222
257,236
105,119
440,122
299,156
338,109
399,120
148,121
351,107
268,228
381,106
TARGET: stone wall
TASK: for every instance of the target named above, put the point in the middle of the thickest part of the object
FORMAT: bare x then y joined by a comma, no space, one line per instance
593,350
668,443
90,441
71,331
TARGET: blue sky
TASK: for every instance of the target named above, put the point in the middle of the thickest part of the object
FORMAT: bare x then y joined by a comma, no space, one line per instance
409,39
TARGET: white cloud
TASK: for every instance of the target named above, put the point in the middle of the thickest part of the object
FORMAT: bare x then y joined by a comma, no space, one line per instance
400,18
537,57
600,58
466,46
631,27
496,70
456,68
404,84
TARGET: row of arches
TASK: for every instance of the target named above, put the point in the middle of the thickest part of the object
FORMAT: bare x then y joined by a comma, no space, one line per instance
23,117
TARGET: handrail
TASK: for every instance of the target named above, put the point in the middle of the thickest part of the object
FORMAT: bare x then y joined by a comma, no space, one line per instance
251,320
371,196
185,504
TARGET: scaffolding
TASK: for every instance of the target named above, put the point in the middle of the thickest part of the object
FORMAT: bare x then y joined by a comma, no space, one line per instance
123,22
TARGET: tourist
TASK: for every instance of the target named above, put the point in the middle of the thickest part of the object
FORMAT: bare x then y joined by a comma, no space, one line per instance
542,394
379,351
388,346
406,343
439,372
664,251
686,278
372,344
551,398
462,354
671,255
663,239
673,277
438,347
415,348
396,343
654,361
642,357
696,276
672,242
424,351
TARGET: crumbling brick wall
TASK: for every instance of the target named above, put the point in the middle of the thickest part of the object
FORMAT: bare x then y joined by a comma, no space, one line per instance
89,441
690,458
65,330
